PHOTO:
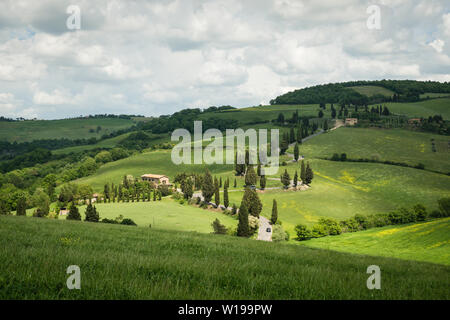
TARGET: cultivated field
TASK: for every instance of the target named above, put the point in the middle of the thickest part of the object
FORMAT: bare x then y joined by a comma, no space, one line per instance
372,90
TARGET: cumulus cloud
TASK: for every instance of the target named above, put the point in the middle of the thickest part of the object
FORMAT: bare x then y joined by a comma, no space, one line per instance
156,57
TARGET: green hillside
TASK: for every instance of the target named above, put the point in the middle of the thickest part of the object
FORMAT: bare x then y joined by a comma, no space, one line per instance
373,90
428,241
394,144
340,190
423,108
165,214
21,131
122,262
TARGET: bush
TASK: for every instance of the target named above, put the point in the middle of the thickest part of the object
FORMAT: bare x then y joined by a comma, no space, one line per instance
331,226
318,231
362,221
218,227
421,212
349,225
436,214
106,220
278,234
444,206
165,190
303,233
128,222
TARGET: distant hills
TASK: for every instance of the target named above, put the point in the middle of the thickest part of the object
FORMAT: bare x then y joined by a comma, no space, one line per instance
364,92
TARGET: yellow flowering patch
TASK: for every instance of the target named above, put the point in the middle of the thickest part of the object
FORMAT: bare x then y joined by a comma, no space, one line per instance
347,177
438,244
69,241
387,232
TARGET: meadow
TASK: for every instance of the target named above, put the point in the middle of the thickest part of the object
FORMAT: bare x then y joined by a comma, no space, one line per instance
123,262
422,109
381,144
166,214
427,241
373,90
21,131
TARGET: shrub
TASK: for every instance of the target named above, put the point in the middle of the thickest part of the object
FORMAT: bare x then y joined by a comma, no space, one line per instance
331,226
218,227
278,234
362,221
318,231
303,233
349,225
164,190
444,206
421,212
436,214
106,220
128,222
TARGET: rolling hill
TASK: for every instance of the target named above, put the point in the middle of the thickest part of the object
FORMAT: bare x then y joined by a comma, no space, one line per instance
427,241
123,262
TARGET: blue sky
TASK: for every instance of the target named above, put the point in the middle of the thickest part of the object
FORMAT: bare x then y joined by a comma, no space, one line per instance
156,57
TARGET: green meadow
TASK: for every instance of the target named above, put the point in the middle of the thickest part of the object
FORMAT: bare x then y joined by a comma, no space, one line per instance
56,129
123,262
423,108
166,214
382,144
427,241
342,189
373,90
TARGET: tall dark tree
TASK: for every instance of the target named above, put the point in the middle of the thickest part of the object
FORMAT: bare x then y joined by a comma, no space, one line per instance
296,152
295,179
320,114
235,183
309,174
243,229
252,202
325,125
21,209
74,214
291,135
91,214
216,192
285,179
4,208
303,172
207,186
106,191
262,182
250,176
274,216
299,135
226,202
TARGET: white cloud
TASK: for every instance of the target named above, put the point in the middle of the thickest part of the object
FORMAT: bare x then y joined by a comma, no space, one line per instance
156,57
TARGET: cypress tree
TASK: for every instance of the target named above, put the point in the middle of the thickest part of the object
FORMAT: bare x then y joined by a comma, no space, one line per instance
291,135
159,195
235,183
226,202
252,202
91,214
250,176
274,216
21,206
296,152
262,182
295,179
258,170
243,227
74,214
234,209
303,173
207,186
309,174
299,135
216,193
285,179
325,125
154,195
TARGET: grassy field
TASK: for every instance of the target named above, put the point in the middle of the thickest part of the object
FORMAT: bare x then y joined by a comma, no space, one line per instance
394,144
166,214
428,241
340,190
432,95
122,262
54,129
424,108
373,90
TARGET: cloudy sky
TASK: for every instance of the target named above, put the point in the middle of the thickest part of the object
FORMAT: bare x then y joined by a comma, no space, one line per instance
156,57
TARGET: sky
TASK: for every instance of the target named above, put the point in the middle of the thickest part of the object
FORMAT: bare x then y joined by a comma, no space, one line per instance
157,57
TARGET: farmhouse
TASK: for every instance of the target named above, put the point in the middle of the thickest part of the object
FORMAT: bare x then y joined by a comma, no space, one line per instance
156,178
414,121
351,121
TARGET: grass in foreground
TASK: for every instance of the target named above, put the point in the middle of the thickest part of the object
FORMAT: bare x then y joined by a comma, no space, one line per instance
428,241
120,262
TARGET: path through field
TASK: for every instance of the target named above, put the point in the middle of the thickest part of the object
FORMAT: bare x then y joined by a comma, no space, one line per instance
264,225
